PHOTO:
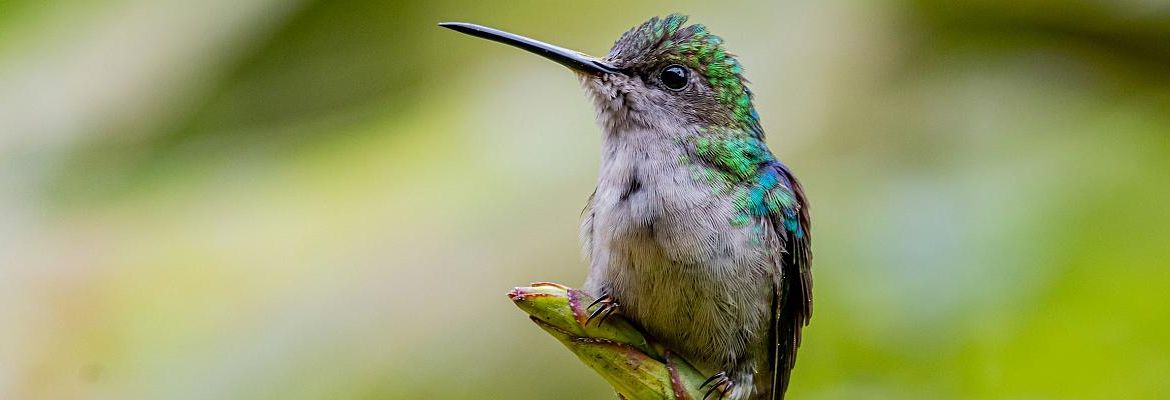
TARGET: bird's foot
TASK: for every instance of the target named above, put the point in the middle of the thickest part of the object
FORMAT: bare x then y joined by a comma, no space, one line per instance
728,386
605,305
721,386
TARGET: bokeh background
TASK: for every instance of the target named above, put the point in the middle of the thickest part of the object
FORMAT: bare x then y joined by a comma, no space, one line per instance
267,199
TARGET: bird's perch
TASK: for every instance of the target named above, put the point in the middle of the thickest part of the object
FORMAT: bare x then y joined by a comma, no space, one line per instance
637,368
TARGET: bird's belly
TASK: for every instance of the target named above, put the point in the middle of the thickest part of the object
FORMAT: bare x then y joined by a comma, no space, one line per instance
711,310
686,273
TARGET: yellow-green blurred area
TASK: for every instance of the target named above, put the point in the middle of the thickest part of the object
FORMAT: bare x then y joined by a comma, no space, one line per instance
269,199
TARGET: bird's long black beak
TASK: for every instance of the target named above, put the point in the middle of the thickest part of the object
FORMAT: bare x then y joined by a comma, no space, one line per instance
569,58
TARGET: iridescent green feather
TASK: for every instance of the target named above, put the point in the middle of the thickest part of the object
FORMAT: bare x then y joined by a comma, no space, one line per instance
742,162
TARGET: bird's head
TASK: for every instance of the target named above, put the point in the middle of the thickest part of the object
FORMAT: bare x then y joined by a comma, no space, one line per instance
660,74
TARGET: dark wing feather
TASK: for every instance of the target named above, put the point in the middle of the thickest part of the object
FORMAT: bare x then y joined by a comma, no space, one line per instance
792,295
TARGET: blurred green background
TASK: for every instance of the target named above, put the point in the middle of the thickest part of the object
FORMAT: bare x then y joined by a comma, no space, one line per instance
267,199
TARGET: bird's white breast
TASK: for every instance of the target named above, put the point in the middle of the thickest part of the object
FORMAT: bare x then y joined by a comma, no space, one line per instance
663,243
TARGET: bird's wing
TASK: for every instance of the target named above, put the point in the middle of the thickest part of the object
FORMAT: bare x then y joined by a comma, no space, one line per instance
792,292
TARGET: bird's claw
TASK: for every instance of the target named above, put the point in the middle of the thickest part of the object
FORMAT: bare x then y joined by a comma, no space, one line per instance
720,385
606,306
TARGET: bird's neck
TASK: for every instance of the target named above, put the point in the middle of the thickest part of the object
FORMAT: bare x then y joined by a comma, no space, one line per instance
723,154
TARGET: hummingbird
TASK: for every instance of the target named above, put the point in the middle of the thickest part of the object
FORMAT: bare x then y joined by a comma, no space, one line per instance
695,232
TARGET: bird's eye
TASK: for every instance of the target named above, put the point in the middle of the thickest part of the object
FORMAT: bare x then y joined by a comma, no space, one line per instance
674,77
